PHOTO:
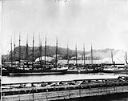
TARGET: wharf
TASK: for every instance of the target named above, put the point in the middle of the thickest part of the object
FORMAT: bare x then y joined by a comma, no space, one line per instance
59,90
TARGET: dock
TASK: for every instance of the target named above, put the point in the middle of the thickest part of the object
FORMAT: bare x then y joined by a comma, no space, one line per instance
60,90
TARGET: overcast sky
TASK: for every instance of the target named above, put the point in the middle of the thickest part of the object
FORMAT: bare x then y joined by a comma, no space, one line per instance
102,23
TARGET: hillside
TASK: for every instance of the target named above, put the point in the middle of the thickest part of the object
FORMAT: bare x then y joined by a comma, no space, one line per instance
101,54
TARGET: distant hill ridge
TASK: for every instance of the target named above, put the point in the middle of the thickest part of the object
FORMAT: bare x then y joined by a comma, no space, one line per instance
101,54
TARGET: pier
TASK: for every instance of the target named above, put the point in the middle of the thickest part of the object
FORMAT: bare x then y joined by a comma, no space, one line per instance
60,90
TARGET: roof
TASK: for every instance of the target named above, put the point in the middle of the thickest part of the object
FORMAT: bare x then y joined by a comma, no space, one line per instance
43,58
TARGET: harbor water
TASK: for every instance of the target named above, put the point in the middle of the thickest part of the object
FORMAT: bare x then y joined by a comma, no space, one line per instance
41,78
64,77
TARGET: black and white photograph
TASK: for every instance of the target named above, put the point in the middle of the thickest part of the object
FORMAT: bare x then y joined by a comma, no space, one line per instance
64,50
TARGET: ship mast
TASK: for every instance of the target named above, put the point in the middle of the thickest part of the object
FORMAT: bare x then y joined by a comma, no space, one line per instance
126,57
19,51
40,52
56,62
33,53
91,56
14,49
45,51
27,51
67,55
76,56
112,57
84,54
11,52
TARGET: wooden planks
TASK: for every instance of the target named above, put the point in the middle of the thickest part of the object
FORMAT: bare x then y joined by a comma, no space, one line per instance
66,94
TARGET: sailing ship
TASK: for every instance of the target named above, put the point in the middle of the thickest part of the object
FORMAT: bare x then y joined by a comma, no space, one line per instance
114,68
84,68
126,63
26,67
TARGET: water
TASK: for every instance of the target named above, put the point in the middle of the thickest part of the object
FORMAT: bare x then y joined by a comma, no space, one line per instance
40,78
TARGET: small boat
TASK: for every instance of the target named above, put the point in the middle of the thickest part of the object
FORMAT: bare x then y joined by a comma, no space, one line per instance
116,69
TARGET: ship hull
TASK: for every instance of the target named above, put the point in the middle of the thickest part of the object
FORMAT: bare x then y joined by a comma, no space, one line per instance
22,72
36,73
115,71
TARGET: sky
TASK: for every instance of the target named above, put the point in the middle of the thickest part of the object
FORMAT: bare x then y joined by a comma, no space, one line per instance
102,23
